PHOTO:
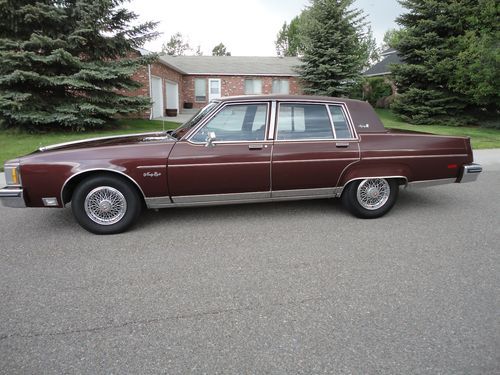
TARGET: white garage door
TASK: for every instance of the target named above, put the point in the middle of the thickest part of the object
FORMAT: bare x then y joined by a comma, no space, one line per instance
157,97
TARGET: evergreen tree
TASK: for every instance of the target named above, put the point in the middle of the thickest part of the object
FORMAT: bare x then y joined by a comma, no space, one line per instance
451,55
336,47
220,50
68,63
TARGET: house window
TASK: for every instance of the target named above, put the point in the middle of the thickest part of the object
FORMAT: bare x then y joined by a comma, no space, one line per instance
200,90
253,86
281,86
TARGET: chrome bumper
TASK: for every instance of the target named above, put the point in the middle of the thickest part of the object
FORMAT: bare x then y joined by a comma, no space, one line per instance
12,197
469,173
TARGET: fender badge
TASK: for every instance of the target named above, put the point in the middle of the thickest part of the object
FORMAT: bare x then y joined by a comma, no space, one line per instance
151,174
364,126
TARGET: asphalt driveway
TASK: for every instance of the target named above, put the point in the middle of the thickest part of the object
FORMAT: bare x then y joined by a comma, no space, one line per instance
299,287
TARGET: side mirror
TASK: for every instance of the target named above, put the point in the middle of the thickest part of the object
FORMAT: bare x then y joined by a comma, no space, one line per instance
211,137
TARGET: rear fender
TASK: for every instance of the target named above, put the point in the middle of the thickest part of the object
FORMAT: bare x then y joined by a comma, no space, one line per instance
373,170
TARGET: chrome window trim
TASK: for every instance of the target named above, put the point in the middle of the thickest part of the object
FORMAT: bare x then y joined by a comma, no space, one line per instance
334,132
344,108
272,121
97,170
229,143
316,140
350,124
217,111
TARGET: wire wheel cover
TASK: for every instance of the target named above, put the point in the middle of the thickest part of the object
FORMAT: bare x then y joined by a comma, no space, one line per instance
373,193
105,205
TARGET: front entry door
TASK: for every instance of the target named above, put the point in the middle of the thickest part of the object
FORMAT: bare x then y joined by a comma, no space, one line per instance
214,89
235,167
172,95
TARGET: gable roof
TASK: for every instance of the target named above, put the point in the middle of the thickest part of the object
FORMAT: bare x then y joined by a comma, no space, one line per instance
390,56
232,65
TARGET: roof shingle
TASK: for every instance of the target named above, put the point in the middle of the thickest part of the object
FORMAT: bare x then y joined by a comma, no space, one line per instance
233,65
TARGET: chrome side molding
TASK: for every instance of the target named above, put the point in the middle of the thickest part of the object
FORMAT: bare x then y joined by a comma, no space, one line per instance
427,183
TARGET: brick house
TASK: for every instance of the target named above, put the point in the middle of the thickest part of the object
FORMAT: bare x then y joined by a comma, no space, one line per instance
179,82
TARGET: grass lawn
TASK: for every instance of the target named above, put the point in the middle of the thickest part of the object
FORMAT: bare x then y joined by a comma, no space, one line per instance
480,137
16,143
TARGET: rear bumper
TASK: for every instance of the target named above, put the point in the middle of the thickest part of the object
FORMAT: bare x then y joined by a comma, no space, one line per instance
469,173
12,197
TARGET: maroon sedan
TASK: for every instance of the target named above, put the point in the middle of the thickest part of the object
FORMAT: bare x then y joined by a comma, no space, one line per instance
239,150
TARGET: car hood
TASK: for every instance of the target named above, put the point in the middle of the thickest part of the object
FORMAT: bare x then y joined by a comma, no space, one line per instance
117,140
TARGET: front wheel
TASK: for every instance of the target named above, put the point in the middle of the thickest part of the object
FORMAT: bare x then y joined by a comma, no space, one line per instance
370,198
105,204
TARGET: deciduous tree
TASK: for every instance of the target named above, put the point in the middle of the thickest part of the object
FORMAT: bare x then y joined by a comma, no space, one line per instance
220,50
176,46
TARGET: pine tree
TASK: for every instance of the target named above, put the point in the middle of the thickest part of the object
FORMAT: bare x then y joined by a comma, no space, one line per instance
68,63
336,47
451,55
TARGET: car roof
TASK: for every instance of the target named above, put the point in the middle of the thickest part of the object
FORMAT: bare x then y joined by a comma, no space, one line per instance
287,97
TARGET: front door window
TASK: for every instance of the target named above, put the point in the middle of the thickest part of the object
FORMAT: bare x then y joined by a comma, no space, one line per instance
245,122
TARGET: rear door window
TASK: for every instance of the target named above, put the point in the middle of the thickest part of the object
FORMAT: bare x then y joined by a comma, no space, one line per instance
303,121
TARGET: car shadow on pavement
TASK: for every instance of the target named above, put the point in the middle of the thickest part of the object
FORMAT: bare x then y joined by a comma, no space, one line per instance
251,211
409,200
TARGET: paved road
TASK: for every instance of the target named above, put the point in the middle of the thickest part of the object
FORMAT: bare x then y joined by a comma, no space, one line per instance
284,288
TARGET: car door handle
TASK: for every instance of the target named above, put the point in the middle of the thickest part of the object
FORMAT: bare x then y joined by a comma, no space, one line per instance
342,144
255,147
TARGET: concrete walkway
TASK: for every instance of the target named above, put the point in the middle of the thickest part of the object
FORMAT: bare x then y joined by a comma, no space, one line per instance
489,159
181,117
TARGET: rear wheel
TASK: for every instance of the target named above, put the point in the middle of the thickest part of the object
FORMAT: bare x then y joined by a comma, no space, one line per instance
370,198
105,204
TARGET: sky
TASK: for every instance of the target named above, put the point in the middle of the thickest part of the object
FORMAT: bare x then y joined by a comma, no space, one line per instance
246,27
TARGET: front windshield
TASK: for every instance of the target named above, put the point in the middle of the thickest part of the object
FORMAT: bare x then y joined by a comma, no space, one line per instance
184,128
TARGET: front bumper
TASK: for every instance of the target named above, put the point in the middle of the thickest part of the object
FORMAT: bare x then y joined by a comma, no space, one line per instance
469,173
12,197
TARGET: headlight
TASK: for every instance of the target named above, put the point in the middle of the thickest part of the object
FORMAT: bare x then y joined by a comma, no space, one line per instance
12,175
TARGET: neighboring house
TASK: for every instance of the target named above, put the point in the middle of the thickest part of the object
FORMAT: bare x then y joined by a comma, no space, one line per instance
178,82
382,68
